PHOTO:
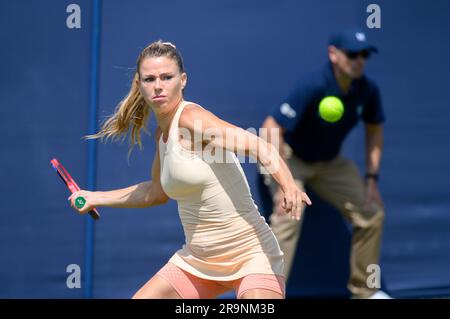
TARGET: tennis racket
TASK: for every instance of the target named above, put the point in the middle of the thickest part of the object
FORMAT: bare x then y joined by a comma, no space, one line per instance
70,183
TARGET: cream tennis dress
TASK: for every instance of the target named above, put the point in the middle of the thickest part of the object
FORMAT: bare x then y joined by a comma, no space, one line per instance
226,237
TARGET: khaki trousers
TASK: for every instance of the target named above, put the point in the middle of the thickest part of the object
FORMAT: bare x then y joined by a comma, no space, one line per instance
339,183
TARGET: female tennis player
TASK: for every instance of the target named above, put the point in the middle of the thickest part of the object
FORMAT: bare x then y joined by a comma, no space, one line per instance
228,243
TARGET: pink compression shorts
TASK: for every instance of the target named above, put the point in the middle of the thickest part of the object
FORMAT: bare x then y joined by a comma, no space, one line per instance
189,286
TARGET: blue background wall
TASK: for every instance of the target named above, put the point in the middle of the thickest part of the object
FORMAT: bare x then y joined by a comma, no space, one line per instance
242,58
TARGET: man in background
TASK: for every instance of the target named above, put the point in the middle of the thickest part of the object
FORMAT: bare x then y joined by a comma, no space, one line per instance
311,146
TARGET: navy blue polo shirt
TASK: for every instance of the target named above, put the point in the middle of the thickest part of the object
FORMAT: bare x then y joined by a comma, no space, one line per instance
311,138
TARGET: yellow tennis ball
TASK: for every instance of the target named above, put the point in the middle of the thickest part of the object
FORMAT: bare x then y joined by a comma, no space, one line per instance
331,109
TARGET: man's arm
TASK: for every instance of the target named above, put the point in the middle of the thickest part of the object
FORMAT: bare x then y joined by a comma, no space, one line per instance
374,147
374,150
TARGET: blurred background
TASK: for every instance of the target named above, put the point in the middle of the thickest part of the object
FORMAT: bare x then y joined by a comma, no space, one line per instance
242,58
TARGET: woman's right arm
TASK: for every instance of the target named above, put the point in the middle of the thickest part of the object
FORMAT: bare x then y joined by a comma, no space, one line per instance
145,194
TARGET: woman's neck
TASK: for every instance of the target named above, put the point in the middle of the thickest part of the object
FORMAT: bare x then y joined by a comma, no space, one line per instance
165,115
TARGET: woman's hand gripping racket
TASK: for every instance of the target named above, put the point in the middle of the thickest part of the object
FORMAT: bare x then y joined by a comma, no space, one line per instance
72,186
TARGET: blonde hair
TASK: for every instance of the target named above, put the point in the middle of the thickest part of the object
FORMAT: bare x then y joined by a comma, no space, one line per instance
132,113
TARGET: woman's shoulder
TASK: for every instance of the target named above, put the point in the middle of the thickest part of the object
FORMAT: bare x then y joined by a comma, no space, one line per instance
192,108
192,112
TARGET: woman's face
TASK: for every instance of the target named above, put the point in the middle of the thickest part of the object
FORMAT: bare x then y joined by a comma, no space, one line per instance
160,81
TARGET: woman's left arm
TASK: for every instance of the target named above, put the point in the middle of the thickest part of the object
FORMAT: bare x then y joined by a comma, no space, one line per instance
218,134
